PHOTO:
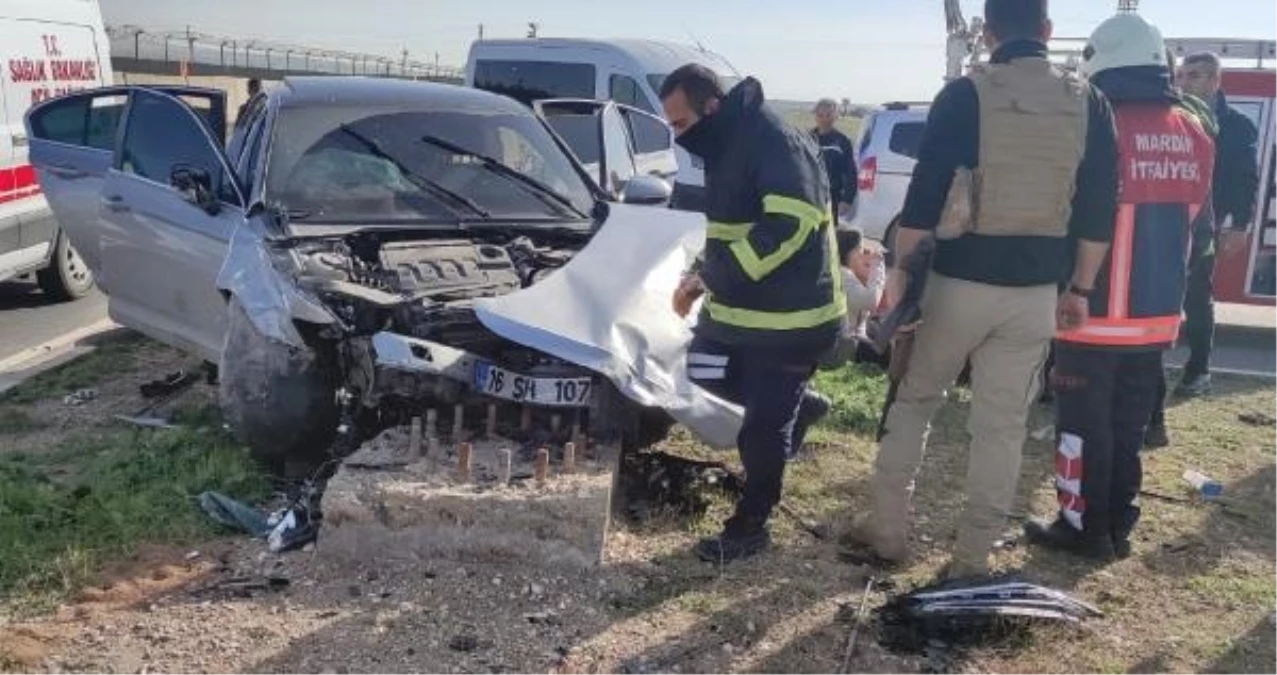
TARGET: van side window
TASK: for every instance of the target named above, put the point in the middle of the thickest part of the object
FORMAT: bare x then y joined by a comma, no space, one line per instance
906,137
528,81
624,89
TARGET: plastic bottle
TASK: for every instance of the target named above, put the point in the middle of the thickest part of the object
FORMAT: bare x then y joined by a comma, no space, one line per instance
1207,487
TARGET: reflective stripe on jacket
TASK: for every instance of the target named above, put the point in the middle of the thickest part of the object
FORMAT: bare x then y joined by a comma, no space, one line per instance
770,264
1166,156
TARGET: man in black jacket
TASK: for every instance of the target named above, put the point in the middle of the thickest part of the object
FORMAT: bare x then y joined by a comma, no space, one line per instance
1233,196
840,160
770,278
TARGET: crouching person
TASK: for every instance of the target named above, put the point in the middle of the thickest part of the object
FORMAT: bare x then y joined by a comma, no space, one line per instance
864,276
1108,371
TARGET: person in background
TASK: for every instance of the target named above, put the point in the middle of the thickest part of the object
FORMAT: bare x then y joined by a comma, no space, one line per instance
836,151
1017,164
1233,195
770,276
1108,369
254,88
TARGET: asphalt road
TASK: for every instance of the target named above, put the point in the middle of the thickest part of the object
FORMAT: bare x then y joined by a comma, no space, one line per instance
28,318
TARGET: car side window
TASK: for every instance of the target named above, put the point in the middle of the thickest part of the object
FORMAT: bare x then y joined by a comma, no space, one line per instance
650,134
905,138
625,90
89,121
163,135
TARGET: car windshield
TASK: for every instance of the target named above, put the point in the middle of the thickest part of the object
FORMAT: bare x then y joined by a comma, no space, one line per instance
355,164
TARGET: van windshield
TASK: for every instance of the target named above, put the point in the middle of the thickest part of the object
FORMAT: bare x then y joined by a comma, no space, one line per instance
657,79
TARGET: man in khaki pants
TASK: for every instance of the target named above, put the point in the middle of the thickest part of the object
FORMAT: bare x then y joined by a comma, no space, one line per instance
1016,177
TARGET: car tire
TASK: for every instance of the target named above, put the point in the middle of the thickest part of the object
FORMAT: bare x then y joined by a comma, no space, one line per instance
67,277
279,400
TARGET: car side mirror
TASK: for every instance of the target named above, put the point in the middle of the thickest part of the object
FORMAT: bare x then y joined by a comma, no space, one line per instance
196,187
647,191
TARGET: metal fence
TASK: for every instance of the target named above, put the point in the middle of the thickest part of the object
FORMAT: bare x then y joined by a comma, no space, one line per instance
196,51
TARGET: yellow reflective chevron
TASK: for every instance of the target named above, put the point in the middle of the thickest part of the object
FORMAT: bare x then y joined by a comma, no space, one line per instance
796,320
727,231
809,219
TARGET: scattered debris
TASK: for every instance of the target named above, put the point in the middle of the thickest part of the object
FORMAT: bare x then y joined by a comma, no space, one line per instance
1044,434
244,587
192,555
855,627
1206,486
80,397
937,619
233,514
463,643
1257,419
169,384
147,421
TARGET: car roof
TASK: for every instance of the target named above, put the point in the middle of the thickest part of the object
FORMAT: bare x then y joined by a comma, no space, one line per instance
656,56
335,90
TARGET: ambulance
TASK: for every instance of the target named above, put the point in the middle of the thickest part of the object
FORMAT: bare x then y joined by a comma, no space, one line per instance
47,48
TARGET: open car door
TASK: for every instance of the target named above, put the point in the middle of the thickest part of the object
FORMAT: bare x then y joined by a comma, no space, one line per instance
599,134
152,209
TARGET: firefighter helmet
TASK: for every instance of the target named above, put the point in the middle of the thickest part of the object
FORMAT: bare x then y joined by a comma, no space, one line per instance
1122,41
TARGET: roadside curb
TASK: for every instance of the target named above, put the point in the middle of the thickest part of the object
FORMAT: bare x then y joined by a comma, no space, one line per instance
35,360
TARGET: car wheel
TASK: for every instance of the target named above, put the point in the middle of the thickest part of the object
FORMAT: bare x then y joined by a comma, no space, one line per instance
66,277
280,400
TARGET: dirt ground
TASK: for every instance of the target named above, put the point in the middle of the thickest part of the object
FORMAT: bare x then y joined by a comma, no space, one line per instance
1198,594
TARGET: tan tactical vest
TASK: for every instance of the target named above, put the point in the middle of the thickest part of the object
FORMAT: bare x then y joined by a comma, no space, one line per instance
1033,120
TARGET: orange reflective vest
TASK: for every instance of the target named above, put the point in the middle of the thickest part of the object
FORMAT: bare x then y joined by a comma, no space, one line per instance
1166,159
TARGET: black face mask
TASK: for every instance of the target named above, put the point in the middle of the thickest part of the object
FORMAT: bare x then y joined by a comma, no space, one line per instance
703,139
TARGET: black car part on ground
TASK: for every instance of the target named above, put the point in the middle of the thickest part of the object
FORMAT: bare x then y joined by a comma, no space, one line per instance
970,612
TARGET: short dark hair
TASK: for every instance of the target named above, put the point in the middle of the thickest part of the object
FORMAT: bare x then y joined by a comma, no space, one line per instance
848,241
254,84
698,83
1210,59
1015,19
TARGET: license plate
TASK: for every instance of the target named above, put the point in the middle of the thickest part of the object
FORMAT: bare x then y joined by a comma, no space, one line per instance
549,391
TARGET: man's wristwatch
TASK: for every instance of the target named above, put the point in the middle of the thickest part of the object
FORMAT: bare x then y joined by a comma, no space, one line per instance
1074,289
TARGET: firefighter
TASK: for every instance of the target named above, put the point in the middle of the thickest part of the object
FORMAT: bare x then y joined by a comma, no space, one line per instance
1017,164
1107,371
1233,197
773,299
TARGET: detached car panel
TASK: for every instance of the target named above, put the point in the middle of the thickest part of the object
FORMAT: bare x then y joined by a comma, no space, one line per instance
373,248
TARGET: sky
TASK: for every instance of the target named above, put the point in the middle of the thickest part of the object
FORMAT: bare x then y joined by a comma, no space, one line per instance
868,51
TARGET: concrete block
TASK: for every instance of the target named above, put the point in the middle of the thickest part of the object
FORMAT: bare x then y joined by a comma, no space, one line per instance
383,503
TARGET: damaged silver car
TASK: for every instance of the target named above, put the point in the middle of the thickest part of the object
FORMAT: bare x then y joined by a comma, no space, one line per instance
332,257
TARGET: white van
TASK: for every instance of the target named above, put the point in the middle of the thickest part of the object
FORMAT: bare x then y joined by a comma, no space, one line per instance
47,48
629,72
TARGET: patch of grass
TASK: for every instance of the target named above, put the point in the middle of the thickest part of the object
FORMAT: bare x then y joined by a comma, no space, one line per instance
858,392
134,487
1223,588
106,359
18,421
703,603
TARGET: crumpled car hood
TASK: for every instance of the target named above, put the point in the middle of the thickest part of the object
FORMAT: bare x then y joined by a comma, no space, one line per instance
609,310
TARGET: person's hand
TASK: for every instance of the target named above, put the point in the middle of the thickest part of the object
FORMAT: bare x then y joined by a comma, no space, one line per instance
1071,311
689,289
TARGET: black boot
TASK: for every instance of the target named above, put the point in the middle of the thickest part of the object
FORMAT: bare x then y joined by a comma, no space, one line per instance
740,539
1155,436
813,408
1061,536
